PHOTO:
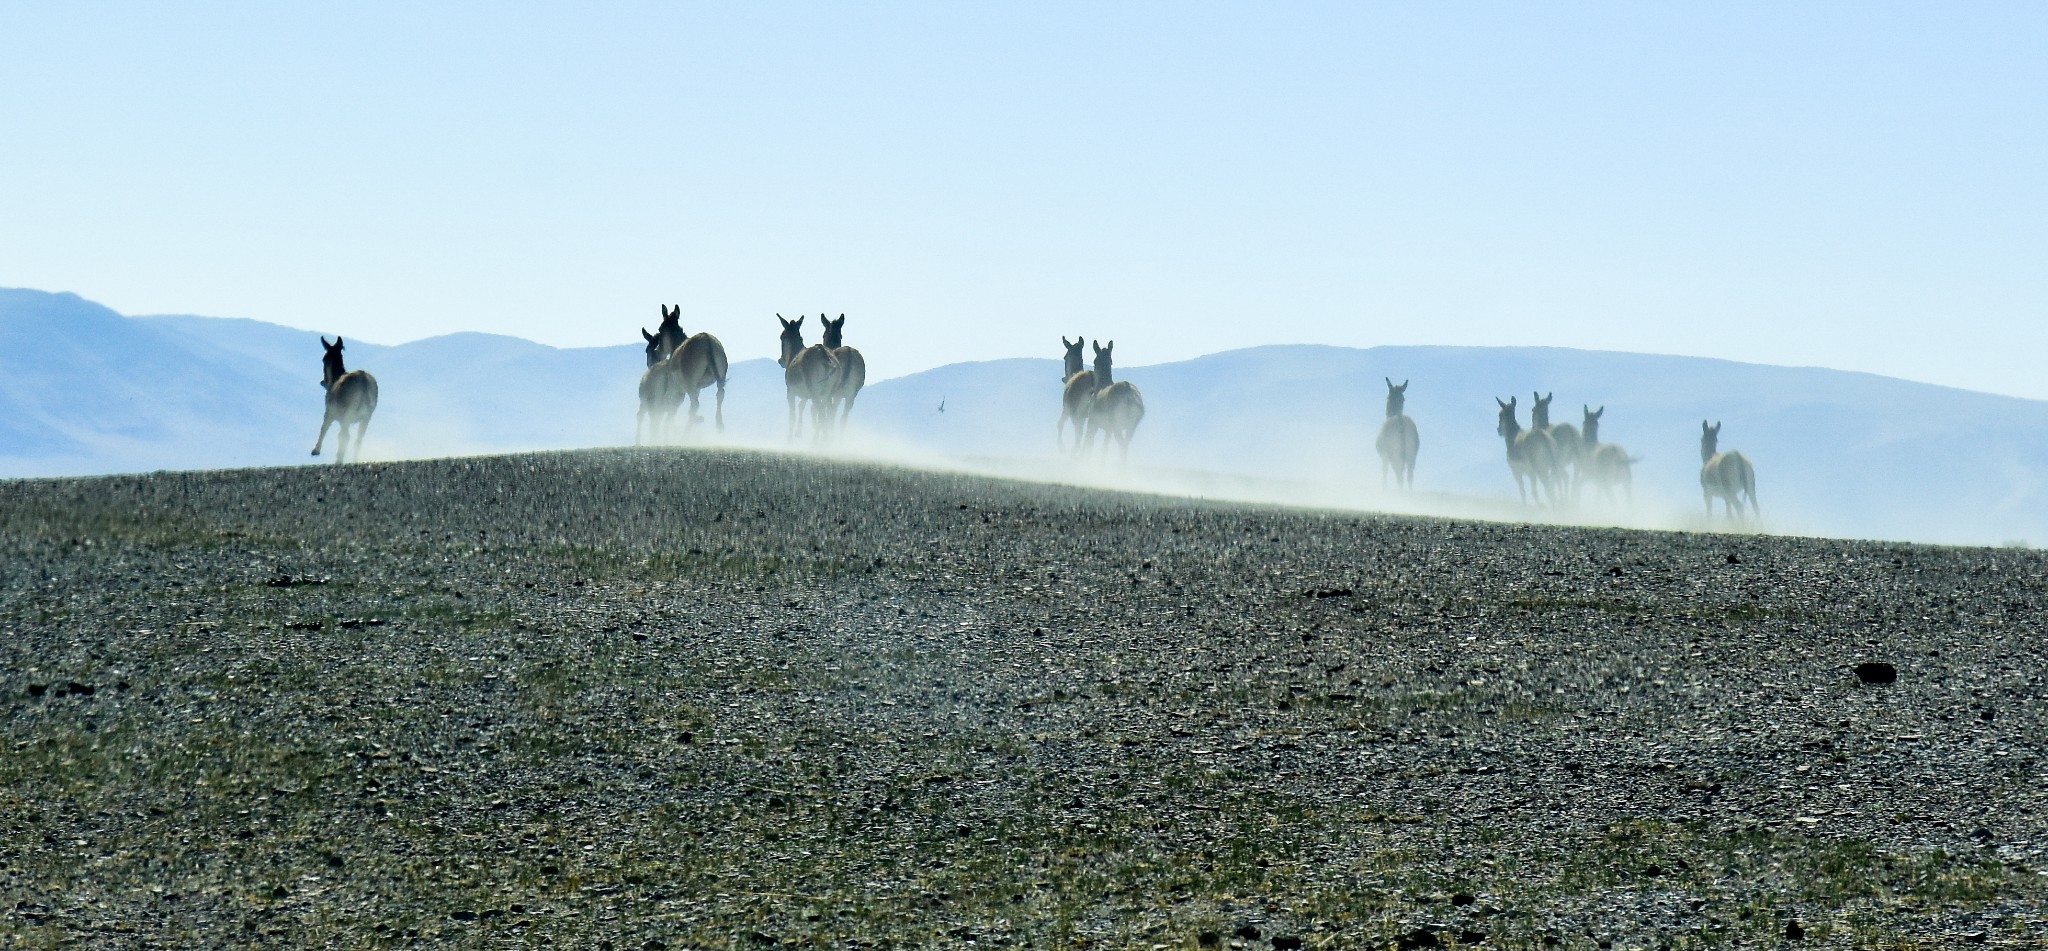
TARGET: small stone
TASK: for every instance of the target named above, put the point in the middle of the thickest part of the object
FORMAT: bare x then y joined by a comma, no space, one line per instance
1874,672
1793,931
1247,932
1462,899
1733,560
1286,943
1419,938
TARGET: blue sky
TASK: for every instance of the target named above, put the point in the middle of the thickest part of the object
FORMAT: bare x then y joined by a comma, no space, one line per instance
1855,185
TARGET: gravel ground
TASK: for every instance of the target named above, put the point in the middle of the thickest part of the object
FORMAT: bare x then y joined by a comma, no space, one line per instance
718,699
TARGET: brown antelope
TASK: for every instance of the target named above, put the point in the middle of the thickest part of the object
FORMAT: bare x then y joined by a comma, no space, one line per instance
659,395
1115,408
1398,441
679,366
1569,444
1727,476
351,398
809,374
1077,389
698,363
666,337
1531,455
1605,464
853,368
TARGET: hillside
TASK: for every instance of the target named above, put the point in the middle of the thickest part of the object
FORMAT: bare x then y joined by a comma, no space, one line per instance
84,390
730,699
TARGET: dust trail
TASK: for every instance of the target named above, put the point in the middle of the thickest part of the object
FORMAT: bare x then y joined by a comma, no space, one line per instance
1321,489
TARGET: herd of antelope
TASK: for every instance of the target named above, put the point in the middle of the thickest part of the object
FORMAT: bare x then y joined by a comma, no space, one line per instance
1552,463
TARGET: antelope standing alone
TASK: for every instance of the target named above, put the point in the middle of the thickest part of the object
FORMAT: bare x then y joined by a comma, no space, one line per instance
351,398
1727,476
1398,441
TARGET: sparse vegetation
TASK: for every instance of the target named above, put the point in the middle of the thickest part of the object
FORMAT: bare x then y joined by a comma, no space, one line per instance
765,702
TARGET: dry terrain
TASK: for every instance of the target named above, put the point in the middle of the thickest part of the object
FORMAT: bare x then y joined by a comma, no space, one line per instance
717,699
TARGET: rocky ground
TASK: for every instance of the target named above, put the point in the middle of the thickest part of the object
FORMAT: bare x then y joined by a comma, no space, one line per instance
646,699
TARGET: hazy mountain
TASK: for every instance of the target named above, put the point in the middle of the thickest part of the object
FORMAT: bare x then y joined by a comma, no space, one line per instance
85,390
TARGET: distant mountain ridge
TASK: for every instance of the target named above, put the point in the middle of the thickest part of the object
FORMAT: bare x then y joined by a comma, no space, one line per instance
85,390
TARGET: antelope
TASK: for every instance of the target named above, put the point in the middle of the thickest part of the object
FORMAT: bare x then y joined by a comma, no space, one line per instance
853,368
808,374
659,395
1570,444
679,366
1077,390
1531,455
1398,441
1115,407
1605,464
351,398
1727,476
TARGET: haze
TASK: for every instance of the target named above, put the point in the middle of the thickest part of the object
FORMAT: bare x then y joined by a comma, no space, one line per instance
1850,185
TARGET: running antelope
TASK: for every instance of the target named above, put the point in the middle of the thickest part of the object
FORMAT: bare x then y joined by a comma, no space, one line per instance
679,366
853,369
1727,476
1398,441
809,374
658,393
1570,444
1605,465
1077,390
1531,455
1115,408
351,398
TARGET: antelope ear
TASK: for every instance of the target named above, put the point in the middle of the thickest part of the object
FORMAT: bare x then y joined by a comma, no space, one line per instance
645,335
337,342
1498,400
1704,427
1404,386
324,343
1097,344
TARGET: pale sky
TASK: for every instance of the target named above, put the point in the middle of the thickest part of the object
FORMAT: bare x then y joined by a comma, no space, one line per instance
1859,185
